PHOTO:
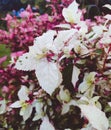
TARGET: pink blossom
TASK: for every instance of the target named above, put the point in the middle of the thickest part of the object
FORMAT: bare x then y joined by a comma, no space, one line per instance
5,89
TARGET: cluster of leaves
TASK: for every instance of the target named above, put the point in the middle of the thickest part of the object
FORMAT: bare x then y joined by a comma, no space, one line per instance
14,41
59,73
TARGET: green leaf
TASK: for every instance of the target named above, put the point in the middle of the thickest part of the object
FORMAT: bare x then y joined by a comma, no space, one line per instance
99,51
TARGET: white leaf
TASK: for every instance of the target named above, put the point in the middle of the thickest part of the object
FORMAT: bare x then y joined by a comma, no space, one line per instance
71,13
83,28
97,32
88,82
75,75
48,75
46,38
65,26
107,6
26,62
108,16
98,29
42,44
39,111
26,112
81,49
66,106
64,94
95,116
37,117
23,93
38,106
2,106
46,125
16,104
63,37
109,104
83,87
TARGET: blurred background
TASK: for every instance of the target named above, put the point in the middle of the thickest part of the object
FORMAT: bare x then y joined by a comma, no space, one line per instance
7,6
94,7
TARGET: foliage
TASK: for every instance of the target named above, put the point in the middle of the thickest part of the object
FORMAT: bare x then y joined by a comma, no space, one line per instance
59,75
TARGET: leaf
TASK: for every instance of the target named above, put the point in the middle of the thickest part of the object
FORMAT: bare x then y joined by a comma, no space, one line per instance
63,37
66,106
46,125
23,93
95,116
2,106
83,28
71,13
64,94
81,49
108,17
39,111
83,87
16,104
48,75
42,44
75,75
26,112
88,82
109,104
64,26
26,62
99,51
107,6
37,117
46,39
